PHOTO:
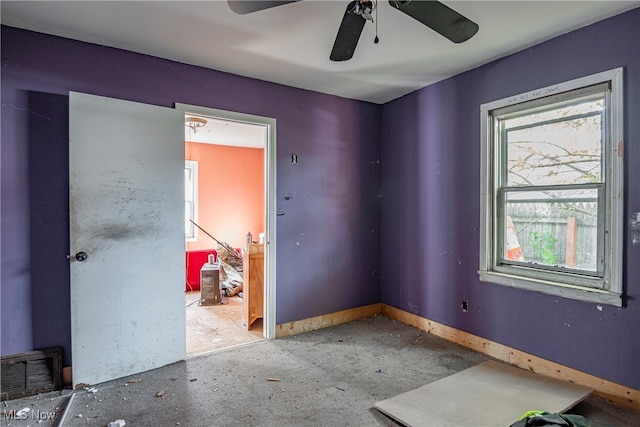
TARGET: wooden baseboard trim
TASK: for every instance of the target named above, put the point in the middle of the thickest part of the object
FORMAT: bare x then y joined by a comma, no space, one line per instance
619,394
327,320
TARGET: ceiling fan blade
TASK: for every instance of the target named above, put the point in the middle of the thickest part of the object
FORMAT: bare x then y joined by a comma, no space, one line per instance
243,7
439,17
348,35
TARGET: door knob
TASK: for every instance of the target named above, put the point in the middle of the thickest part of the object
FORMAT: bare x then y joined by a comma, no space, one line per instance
81,256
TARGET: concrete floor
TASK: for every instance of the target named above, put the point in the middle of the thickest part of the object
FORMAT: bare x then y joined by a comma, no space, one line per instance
330,377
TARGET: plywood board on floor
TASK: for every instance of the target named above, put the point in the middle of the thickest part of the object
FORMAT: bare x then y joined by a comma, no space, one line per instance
488,394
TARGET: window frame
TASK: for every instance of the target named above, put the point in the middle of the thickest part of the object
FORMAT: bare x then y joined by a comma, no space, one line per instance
607,289
193,165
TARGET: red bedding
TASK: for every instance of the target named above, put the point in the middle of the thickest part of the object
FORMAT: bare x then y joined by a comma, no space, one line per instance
195,260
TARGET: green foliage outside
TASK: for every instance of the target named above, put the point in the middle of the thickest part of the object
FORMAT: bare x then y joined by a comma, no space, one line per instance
543,243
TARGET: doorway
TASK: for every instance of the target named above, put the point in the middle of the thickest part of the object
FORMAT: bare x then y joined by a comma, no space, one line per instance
229,192
126,167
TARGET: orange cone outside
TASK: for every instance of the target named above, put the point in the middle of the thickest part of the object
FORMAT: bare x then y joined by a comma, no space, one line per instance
512,245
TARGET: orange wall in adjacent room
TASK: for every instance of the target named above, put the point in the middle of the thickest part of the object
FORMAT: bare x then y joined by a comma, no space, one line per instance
230,193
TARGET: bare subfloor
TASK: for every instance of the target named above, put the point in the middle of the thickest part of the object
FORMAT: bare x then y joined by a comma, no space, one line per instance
330,377
214,327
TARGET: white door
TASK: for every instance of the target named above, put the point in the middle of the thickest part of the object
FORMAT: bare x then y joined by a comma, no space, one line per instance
126,192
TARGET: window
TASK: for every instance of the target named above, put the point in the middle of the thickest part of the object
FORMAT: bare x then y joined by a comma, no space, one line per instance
190,199
552,190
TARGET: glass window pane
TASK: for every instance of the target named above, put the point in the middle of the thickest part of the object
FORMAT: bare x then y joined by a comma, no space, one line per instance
555,153
578,106
188,214
552,228
188,183
190,197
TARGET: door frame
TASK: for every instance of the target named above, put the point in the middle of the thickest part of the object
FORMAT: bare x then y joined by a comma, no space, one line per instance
269,321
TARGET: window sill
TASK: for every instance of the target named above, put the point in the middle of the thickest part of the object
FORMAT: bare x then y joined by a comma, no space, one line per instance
551,288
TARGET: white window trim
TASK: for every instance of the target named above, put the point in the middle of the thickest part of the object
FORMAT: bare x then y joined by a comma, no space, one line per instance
193,165
614,184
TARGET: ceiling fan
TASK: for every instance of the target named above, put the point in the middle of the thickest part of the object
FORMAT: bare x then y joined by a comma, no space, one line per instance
434,14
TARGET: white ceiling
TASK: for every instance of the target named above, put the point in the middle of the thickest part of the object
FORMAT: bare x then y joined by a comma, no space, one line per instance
290,44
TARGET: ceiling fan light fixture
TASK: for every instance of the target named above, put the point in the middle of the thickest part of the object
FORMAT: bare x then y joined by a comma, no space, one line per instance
194,123
432,13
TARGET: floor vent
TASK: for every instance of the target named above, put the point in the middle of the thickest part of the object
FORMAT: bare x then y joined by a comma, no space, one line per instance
30,373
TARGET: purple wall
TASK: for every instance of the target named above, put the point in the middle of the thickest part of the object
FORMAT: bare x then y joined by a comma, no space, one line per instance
430,211
328,230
